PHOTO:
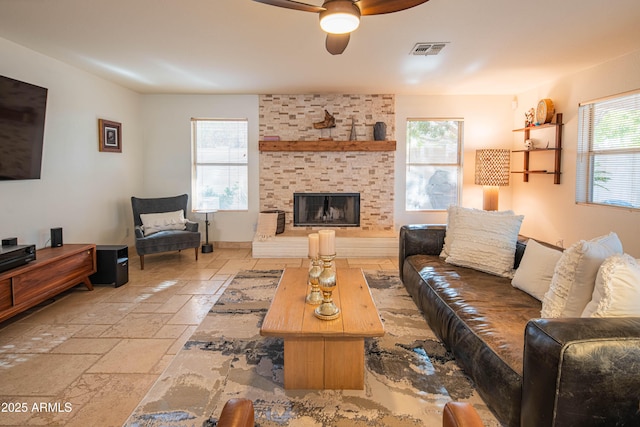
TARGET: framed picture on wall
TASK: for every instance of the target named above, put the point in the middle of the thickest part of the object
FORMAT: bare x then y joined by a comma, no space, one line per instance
110,136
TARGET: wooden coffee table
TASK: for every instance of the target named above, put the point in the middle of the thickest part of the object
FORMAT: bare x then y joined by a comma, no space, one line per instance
323,354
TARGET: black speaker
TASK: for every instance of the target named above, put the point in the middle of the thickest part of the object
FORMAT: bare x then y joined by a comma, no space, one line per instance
56,237
11,241
112,265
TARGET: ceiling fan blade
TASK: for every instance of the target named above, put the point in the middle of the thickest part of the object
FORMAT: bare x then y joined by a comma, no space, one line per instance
337,43
378,7
295,5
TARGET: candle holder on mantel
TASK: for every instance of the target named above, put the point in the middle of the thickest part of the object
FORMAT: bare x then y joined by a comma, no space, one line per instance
327,283
315,296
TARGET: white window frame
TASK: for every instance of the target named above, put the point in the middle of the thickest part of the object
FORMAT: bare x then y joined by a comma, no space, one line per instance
457,164
214,203
618,145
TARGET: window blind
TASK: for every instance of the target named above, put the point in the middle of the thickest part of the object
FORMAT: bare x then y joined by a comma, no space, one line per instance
433,163
608,163
220,164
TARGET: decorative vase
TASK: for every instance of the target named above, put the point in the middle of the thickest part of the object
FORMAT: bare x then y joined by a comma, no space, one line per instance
327,310
315,295
379,131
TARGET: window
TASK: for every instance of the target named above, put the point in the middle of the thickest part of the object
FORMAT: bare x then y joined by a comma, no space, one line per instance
433,164
220,164
608,166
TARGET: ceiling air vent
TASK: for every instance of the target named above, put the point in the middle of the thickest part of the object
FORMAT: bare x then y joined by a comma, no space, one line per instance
426,49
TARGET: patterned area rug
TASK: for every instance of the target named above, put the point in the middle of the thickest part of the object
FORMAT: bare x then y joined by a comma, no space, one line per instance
409,375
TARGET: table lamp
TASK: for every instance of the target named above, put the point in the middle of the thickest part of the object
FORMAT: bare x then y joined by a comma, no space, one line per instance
492,172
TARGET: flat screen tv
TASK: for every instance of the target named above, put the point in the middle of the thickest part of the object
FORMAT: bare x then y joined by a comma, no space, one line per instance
22,113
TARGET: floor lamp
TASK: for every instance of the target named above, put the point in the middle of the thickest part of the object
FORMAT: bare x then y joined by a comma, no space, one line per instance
492,172
206,247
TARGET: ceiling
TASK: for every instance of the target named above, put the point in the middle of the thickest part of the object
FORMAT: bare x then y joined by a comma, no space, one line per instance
245,47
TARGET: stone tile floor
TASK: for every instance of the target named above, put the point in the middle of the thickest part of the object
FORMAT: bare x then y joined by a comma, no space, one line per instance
89,357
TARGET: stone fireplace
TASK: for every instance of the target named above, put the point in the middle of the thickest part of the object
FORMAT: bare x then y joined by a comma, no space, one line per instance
354,167
370,174
326,209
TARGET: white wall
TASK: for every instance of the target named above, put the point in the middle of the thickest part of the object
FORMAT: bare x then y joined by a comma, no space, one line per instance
82,190
487,121
167,156
551,213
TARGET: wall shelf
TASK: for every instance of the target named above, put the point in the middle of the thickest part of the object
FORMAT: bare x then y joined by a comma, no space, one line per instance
557,150
327,145
546,125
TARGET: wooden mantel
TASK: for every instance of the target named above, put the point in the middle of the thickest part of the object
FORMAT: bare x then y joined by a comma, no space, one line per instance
327,146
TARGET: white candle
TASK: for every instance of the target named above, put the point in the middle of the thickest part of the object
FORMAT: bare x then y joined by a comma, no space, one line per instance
327,242
314,245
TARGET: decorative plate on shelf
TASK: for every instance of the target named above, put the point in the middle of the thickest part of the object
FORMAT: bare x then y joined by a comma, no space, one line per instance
545,111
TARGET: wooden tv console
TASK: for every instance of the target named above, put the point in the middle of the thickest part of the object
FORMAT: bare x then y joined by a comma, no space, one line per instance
54,270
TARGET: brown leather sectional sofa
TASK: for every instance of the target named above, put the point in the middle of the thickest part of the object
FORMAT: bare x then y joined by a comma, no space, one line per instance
529,371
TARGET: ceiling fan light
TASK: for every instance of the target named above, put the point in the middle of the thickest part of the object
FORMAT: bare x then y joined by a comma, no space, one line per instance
340,17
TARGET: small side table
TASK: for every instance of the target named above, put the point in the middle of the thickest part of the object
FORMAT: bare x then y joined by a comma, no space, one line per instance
112,265
206,247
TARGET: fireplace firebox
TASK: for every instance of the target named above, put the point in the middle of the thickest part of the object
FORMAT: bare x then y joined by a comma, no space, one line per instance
326,209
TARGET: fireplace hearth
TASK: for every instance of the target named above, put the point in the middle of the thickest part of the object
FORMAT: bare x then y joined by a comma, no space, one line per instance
326,209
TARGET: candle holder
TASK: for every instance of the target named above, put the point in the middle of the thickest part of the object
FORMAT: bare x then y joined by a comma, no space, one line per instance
315,296
327,283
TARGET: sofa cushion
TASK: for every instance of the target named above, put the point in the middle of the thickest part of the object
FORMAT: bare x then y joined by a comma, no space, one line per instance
536,269
489,306
617,289
574,277
484,240
167,240
480,318
155,222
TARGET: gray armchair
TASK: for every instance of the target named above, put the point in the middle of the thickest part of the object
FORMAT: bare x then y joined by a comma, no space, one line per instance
166,240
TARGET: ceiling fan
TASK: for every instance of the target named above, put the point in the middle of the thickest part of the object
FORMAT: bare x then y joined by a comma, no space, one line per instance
338,18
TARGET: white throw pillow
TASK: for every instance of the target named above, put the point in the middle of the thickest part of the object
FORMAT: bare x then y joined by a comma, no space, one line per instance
155,222
452,215
485,241
617,290
536,269
575,276
452,212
